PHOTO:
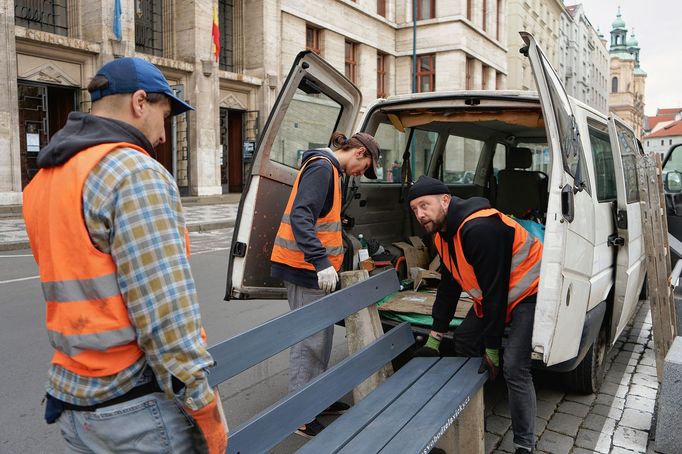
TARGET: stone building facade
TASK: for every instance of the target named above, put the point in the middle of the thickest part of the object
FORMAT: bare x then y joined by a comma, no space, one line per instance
54,47
627,79
541,18
583,61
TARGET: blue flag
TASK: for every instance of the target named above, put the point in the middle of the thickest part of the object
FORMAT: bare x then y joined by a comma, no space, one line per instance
117,20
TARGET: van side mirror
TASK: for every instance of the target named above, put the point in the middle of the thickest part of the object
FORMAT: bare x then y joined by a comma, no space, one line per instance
672,182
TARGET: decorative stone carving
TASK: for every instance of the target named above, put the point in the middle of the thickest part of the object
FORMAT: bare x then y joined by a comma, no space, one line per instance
49,73
231,102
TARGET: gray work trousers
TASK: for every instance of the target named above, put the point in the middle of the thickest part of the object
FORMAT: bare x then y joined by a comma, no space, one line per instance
310,357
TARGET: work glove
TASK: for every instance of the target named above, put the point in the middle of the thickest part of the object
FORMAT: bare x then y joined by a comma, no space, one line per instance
209,421
327,279
490,362
429,349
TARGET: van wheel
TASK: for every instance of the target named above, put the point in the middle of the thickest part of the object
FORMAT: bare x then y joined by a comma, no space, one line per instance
588,376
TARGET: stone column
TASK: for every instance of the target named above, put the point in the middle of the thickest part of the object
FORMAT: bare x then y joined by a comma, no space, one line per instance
490,77
477,76
194,21
366,72
10,165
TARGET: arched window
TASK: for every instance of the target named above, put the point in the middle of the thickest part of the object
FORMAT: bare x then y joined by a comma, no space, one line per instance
614,85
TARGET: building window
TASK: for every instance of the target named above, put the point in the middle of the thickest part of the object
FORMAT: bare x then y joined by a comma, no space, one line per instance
312,39
351,62
485,15
149,27
469,9
226,25
381,8
381,76
498,19
469,85
426,73
48,16
614,85
484,77
426,9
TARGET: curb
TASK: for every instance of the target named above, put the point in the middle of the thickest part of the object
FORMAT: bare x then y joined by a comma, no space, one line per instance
14,246
208,226
197,227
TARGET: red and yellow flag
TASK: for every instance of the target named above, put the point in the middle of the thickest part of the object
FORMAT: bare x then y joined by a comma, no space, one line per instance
215,32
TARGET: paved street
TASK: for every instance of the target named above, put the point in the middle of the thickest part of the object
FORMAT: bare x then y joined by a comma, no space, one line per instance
616,420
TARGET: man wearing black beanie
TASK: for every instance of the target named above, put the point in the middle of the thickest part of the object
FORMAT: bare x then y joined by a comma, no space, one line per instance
497,262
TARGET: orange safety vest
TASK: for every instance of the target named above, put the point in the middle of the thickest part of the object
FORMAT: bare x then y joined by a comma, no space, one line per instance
327,228
525,264
87,317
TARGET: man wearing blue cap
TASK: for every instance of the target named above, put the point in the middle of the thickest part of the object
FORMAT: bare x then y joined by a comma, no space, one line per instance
106,228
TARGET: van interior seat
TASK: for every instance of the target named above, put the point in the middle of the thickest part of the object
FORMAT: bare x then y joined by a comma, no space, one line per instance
521,192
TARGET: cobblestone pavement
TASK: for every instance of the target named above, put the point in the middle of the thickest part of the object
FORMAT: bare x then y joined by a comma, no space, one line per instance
616,420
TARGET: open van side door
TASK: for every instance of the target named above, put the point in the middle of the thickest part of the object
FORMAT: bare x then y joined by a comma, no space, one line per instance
314,101
563,292
630,258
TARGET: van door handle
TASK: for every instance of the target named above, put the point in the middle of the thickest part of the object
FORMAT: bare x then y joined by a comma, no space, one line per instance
615,240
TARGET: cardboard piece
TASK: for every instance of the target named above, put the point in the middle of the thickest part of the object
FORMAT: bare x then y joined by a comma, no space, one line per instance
416,254
411,302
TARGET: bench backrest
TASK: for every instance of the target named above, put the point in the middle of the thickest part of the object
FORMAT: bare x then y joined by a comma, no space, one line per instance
265,430
276,335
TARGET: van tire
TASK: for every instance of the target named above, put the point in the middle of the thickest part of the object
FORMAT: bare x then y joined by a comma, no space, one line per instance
588,376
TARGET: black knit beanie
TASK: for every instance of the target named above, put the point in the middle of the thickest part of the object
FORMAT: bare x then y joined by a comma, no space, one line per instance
426,185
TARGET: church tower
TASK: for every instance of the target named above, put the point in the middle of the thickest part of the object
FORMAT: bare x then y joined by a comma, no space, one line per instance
627,84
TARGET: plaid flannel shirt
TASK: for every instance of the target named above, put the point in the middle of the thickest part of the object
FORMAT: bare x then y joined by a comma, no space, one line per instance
132,210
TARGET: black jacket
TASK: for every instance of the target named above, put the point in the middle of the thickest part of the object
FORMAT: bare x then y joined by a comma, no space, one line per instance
487,245
314,199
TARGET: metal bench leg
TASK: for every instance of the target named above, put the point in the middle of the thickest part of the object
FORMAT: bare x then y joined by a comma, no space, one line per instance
467,434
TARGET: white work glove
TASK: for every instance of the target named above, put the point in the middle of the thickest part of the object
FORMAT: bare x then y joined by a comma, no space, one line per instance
327,279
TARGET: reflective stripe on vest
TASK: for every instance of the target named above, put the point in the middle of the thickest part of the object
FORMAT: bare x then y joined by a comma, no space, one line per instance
87,318
525,263
327,229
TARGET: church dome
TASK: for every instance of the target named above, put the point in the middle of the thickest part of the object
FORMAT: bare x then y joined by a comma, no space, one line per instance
619,22
632,41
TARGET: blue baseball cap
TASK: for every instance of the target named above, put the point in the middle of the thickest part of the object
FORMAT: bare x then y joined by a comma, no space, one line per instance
127,75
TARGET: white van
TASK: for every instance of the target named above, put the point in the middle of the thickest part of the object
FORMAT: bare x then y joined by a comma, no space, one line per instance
543,155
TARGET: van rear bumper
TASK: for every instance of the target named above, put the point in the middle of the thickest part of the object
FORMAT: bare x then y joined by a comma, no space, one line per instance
593,322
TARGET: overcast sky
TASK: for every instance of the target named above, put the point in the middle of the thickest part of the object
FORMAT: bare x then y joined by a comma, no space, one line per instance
657,24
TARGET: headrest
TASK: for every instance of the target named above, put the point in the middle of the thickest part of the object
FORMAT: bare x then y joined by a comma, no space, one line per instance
519,158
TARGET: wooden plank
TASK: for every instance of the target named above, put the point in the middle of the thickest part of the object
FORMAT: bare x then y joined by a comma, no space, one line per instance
363,328
354,420
655,233
385,426
276,335
469,428
269,427
411,302
421,434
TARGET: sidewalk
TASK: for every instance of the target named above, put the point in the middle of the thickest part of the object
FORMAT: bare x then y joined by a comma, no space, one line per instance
202,214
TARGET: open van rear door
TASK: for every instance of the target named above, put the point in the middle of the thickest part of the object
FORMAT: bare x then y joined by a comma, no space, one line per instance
562,294
314,101
630,259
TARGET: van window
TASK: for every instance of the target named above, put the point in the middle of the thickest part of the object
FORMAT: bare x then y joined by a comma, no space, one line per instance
460,160
309,123
602,155
392,143
420,144
540,152
628,153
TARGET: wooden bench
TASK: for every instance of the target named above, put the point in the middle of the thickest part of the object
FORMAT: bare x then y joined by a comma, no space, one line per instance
408,413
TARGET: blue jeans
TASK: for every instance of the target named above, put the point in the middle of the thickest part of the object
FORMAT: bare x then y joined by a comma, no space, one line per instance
516,365
147,424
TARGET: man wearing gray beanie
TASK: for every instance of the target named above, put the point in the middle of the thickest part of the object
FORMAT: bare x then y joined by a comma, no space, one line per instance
497,262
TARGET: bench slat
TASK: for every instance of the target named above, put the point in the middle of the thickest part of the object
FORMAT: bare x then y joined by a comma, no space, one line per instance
355,419
384,427
441,411
269,427
245,350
